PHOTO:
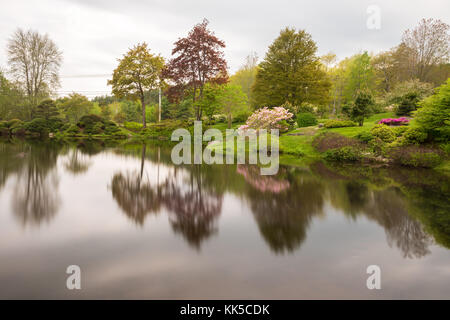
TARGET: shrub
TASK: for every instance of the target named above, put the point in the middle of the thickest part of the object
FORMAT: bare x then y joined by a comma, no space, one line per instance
132,126
97,128
339,123
407,104
37,126
331,140
434,115
73,130
414,136
266,118
343,154
306,119
383,132
399,130
111,128
365,136
54,124
394,121
163,128
416,156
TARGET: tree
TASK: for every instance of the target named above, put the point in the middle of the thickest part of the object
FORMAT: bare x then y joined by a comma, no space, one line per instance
360,76
46,110
199,59
362,106
34,60
434,115
233,101
75,106
291,72
137,72
428,45
246,75
11,99
407,94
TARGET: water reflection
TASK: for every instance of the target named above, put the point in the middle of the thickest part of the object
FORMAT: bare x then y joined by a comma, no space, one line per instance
410,205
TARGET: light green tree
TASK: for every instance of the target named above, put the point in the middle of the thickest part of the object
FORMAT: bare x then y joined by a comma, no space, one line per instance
233,102
75,106
138,71
291,71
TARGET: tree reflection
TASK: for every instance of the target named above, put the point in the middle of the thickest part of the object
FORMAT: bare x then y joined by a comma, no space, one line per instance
35,198
77,162
284,214
192,207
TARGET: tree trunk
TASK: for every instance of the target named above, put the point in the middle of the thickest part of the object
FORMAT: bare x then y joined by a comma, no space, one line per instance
144,121
229,121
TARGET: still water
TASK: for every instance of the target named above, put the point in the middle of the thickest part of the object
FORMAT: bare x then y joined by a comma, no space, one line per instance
140,227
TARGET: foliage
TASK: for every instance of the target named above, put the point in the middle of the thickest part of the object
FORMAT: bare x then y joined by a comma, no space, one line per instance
266,118
246,75
132,126
331,140
416,156
74,106
414,136
233,103
291,72
383,132
199,59
138,71
434,115
46,109
360,77
362,106
37,126
365,136
306,119
162,129
339,123
343,154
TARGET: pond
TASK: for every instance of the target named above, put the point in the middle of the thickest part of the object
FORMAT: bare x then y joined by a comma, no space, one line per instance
140,227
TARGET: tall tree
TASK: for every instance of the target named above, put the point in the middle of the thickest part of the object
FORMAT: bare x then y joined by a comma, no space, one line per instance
360,76
198,59
233,101
34,60
246,75
138,71
75,106
46,109
429,45
291,72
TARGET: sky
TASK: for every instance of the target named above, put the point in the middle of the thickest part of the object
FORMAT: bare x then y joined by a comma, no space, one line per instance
93,34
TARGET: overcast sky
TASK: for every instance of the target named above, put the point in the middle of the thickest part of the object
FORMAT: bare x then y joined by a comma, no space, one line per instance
93,33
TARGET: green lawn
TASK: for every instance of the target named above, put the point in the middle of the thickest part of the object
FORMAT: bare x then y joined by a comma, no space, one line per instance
368,124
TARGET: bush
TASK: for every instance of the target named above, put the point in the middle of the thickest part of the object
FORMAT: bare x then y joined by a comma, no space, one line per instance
55,124
111,128
132,126
414,136
163,128
331,140
73,130
88,122
37,126
365,136
399,130
266,118
416,156
306,119
97,128
339,123
343,154
383,132
434,115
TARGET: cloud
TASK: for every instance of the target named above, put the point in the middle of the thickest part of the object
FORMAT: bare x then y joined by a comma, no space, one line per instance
94,33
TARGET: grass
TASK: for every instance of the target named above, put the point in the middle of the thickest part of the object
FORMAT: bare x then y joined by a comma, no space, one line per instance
368,124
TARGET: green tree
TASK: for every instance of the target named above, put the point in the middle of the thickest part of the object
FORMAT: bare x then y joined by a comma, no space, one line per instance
11,99
362,106
233,102
75,106
246,75
46,110
434,115
360,76
138,71
291,72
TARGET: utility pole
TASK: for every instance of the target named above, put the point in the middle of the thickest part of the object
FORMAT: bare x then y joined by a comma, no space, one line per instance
159,108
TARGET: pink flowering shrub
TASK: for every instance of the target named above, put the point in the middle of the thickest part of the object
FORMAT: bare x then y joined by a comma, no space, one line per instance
266,118
394,121
270,184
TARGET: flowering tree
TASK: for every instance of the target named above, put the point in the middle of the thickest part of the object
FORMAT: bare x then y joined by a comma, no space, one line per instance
266,118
